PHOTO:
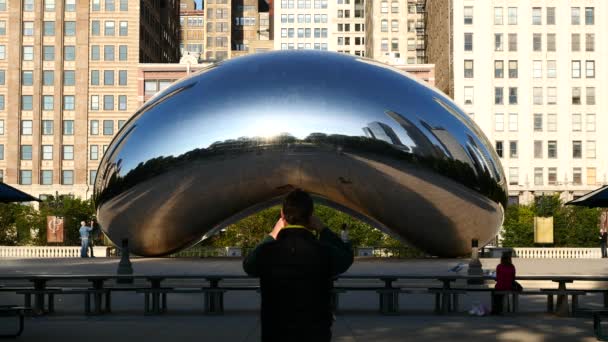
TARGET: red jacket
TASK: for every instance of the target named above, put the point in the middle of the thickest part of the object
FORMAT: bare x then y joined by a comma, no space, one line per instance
505,275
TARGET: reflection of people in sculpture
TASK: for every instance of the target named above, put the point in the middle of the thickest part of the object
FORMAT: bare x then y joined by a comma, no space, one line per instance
92,237
85,232
296,264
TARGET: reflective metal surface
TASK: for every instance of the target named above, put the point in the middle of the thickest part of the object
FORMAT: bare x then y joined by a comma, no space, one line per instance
359,135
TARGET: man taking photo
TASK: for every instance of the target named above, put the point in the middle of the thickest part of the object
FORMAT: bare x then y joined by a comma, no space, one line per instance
296,264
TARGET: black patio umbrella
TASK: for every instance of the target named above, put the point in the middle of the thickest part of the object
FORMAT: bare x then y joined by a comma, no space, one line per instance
595,199
9,194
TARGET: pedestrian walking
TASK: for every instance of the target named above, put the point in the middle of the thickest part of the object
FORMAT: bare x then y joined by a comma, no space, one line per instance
85,232
603,232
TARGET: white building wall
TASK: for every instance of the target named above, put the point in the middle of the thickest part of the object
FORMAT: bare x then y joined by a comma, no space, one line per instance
483,108
286,15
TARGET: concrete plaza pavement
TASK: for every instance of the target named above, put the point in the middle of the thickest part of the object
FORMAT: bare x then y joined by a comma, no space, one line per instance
358,321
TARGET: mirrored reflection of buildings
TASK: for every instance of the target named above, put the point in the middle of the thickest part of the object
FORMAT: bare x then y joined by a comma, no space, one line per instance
68,82
535,92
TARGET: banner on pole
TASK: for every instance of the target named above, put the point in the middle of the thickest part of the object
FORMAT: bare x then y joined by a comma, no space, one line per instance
54,229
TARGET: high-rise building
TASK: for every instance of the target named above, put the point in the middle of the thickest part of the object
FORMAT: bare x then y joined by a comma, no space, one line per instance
192,29
347,27
218,17
529,73
251,27
303,24
394,31
68,76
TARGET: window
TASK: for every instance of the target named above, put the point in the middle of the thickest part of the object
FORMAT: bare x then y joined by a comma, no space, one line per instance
512,41
499,148
499,122
26,152
512,13
47,152
25,176
589,16
108,77
512,69
537,44
538,176
27,78
28,28
551,95
590,123
537,16
123,29
2,8
68,102
512,95
499,67
109,5
513,122
551,42
576,69
70,5
576,95
498,15
122,77
68,152
512,149
94,52
69,53
47,127
67,177
513,176
552,149
468,42
1,127
108,52
551,69
575,44
537,95
538,149
537,69
69,28
468,68
384,6
46,177
95,28
49,5
94,127
575,16
2,77
108,102
590,42
498,95
468,95
68,127
383,44
108,127
552,122
590,69
591,180
121,123
384,25
48,52
498,42
577,149
552,176
69,78
93,173
122,53
577,176
94,77
122,102
26,102
550,15
94,102
94,152
108,28
394,9
590,93
577,123
590,149
394,43
468,15
538,122
47,102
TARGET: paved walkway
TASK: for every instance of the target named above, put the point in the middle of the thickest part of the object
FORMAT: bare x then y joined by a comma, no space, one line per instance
357,322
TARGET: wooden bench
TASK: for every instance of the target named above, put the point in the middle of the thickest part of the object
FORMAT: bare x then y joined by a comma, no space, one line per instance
446,299
14,311
87,293
213,297
555,292
39,307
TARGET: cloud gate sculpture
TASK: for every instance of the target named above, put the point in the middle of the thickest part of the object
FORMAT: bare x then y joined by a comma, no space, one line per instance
361,136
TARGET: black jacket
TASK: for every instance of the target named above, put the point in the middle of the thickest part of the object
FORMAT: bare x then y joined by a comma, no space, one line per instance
296,276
